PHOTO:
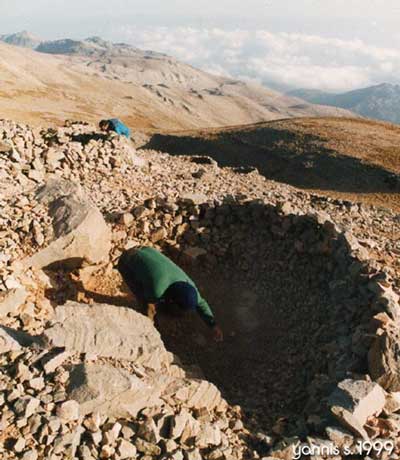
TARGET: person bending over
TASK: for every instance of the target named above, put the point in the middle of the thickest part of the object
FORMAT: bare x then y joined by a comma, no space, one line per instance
115,125
158,283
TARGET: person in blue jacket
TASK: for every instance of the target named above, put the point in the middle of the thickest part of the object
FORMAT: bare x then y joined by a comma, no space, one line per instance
116,126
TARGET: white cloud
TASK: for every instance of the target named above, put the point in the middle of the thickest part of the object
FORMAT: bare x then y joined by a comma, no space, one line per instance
295,60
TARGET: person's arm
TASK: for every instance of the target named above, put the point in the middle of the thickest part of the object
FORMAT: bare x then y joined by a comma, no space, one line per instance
207,316
205,313
151,311
127,132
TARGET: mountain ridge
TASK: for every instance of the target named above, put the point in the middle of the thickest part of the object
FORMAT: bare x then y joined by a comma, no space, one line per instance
379,101
92,78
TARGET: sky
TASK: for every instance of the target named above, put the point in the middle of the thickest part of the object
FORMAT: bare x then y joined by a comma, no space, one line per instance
331,45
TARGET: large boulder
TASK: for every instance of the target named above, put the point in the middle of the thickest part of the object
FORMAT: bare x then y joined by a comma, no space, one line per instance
81,233
355,401
384,359
107,331
115,392
138,372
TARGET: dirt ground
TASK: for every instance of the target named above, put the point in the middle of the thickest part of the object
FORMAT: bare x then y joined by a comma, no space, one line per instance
351,159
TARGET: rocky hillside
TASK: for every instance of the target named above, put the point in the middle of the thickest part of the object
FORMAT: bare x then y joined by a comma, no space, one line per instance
308,282
92,79
380,101
344,158
24,39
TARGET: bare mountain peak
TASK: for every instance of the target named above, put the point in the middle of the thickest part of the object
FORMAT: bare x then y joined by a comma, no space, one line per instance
381,101
24,38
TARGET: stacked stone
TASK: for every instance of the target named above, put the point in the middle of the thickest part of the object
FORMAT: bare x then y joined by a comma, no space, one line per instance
212,235
28,157
65,397
211,218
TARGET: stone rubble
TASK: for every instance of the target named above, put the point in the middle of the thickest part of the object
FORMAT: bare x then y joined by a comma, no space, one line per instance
96,381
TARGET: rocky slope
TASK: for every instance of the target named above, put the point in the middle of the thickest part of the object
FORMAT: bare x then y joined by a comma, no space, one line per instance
343,158
310,283
380,101
94,79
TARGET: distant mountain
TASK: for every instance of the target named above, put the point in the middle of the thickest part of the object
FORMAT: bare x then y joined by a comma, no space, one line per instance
94,78
90,47
24,39
381,102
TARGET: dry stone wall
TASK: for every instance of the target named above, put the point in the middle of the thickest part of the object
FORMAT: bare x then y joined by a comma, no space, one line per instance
361,314
287,273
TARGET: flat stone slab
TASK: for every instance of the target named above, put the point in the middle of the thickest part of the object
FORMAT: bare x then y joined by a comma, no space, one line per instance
355,401
105,389
107,331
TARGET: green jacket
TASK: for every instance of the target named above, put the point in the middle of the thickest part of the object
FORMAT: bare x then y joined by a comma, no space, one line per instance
156,273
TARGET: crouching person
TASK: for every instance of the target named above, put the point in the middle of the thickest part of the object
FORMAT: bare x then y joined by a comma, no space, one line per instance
158,283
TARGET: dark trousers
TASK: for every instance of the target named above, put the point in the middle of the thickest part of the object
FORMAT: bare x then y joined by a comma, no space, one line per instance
124,267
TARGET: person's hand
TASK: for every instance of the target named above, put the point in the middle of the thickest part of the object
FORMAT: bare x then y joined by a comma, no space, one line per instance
218,335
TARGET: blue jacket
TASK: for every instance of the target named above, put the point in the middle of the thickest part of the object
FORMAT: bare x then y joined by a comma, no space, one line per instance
118,127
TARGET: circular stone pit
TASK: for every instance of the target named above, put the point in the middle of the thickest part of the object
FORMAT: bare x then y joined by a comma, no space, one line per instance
287,289
280,289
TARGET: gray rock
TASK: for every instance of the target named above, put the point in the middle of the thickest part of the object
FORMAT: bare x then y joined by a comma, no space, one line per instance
339,436
26,406
81,234
193,454
387,300
110,391
147,448
52,362
127,219
384,359
111,435
179,423
158,235
107,451
194,198
68,411
11,339
149,431
209,435
202,395
125,449
30,455
107,331
392,404
58,188
354,401
19,446
11,301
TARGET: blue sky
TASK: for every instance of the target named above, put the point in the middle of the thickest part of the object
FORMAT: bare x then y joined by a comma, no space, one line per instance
328,44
